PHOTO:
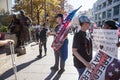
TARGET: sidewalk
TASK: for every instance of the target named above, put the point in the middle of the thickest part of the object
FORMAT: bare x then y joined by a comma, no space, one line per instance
31,68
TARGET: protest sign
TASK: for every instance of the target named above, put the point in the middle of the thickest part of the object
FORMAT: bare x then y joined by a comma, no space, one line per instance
104,67
107,39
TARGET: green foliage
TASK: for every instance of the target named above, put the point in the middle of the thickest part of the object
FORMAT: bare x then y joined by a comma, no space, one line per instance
5,19
3,28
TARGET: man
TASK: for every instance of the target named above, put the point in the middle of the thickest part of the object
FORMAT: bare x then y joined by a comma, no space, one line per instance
43,40
82,46
110,24
62,53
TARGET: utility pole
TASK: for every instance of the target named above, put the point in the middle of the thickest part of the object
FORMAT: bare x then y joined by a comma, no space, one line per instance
45,11
31,11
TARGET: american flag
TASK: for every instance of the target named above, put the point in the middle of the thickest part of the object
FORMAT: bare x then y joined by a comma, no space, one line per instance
63,30
113,70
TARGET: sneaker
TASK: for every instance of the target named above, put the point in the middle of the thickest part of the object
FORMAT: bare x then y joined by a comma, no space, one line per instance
54,68
39,56
45,54
61,71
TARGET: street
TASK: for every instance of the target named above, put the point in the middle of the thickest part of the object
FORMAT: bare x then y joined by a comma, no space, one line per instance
31,68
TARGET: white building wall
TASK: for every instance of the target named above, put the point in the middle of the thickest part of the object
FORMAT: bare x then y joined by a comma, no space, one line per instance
5,6
97,11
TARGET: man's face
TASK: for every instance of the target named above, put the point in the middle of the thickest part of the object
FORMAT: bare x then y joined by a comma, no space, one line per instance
105,26
87,25
59,20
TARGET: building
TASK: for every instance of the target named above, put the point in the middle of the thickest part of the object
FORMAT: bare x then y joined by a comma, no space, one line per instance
5,6
106,10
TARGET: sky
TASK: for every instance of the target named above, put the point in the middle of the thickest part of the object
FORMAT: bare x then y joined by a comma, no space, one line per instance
86,4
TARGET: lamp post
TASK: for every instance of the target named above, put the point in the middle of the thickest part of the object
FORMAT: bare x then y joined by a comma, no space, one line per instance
45,10
38,17
47,18
31,4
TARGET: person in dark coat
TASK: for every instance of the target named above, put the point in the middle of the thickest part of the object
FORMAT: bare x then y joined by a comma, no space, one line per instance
42,40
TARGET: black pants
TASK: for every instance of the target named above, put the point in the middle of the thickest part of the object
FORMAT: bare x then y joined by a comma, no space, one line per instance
42,43
57,59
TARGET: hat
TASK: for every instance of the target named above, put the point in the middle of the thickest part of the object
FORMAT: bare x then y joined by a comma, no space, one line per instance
112,24
59,15
83,19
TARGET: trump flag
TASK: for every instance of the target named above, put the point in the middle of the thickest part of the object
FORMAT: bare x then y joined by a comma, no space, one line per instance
63,30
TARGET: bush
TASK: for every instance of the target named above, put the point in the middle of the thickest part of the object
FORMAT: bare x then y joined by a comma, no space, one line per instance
3,28
5,19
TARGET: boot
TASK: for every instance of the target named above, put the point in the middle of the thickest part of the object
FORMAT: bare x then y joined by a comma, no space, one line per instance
40,54
45,52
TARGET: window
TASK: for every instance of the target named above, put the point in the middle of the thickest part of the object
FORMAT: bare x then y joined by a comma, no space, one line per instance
109,13
116,1
104,4
99,7
95,16
104,15
116,10
99,24
109,2
99,16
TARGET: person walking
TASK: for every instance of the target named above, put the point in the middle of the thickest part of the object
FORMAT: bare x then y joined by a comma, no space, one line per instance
62,53
82,46
43,40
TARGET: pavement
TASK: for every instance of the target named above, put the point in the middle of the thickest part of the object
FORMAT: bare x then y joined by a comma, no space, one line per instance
31,68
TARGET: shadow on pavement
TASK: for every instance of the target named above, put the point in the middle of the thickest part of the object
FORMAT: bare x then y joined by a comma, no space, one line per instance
52,73
10,72
57,76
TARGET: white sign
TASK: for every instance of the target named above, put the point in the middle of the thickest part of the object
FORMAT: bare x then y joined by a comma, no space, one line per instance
106,39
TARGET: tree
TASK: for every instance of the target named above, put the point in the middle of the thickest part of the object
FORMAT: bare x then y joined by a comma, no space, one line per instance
52,7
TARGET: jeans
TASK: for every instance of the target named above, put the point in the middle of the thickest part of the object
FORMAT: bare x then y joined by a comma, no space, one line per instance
80,71
57,58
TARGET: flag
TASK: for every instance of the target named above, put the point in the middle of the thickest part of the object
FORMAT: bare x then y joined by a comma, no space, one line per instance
113,70
103,67
63,30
